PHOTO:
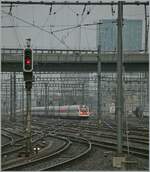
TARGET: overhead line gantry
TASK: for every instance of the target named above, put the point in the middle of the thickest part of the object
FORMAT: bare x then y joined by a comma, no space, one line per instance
73,3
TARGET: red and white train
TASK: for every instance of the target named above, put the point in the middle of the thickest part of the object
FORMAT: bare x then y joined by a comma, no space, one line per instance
67,111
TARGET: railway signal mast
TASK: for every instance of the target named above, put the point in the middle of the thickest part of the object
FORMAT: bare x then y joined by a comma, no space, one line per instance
27,71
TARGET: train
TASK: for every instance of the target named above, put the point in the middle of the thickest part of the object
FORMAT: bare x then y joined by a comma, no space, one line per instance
140,112
67,111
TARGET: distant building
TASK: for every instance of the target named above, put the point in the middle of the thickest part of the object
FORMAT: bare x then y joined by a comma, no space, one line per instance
132,35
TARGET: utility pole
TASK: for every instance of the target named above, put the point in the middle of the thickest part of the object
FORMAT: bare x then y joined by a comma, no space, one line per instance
11,97
6,100
14,97
46,99
99,115
119,107
119,159
23,104
83,94
146,28
99,70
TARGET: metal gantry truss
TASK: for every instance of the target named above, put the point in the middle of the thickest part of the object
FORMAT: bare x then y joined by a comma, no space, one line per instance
75,88
74,3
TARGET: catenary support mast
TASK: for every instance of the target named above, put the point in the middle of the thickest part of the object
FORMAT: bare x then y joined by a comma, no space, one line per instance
119,106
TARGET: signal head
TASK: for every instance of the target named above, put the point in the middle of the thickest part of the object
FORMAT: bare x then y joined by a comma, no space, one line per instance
28,60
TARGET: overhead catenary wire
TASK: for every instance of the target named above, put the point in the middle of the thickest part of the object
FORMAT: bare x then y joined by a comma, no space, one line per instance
63,28
33,15
50,10
10,9
52,31
50,26
82,25
53,26
74,12
86,36
112,10
84,9
36,26
15,30
83,17
74,27
59,9
37,35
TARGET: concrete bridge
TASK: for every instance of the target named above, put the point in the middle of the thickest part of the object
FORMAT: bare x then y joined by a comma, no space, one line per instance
73,60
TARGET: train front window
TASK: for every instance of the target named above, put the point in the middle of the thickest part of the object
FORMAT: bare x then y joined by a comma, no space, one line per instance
83,109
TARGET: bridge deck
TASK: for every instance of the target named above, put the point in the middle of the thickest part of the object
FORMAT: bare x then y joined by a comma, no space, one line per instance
73,60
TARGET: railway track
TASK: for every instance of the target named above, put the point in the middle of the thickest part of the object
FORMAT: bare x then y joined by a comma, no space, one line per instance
19,146
73,158
70,151
93,126
14,138
144,153
139,132
101,137
13,132
34,158
132,138
110,144
6,139
15,143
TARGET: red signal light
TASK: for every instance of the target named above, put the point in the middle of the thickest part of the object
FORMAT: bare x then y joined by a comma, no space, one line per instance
27,61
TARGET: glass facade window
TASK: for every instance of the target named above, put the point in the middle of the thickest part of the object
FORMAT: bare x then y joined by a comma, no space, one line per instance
132,35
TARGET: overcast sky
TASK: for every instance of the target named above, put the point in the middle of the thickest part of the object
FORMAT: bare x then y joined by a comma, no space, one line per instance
35,22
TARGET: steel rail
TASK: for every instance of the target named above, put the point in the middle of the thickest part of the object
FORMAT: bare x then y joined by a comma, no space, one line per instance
132,138
142,152
41,159
112,146
8,137
13,132
58,165
21,147
9,144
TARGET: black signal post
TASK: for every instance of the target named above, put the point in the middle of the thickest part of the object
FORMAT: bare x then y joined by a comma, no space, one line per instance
27,71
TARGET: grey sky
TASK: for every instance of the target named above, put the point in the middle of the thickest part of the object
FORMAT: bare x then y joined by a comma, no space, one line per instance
84,38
